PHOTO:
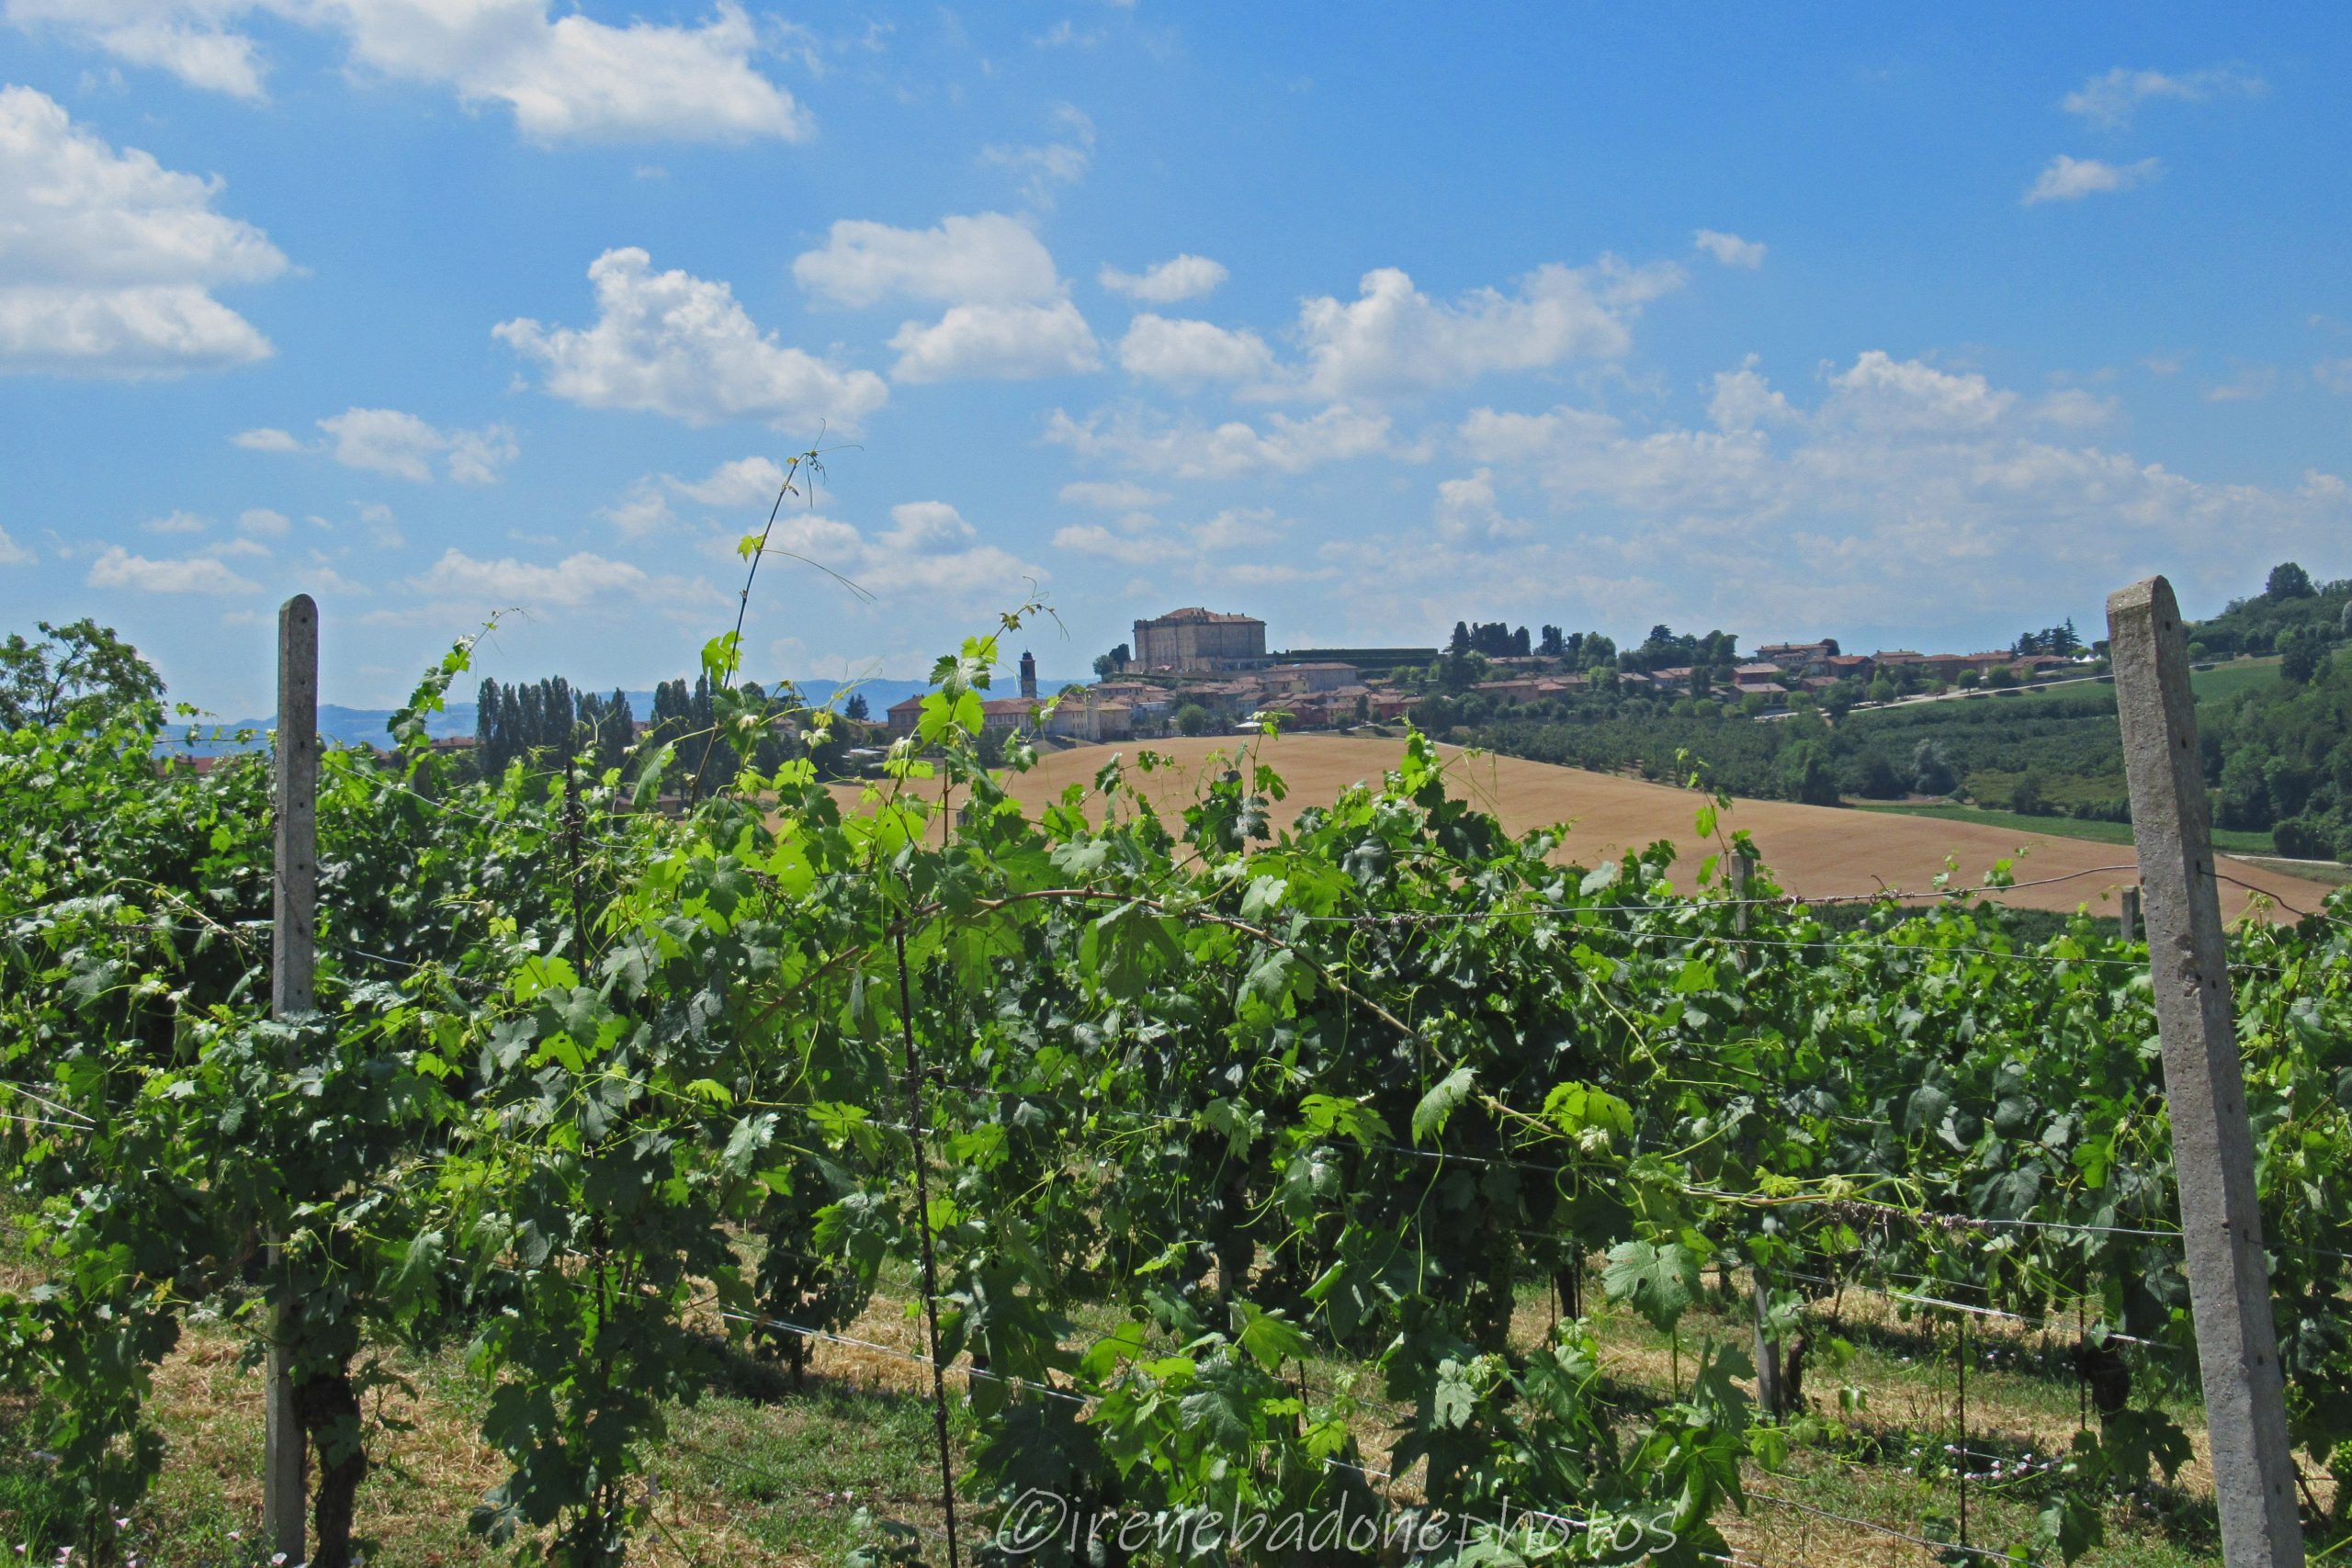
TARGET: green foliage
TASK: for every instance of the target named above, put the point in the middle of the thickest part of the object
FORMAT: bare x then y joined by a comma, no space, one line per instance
589,1083
82,671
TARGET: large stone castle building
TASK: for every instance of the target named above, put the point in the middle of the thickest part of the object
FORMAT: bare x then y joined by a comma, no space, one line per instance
1194,639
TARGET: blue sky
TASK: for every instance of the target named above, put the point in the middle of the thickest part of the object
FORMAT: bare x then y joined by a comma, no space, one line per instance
1838,320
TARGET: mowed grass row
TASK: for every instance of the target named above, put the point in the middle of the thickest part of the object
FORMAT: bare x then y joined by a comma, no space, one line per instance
760,1472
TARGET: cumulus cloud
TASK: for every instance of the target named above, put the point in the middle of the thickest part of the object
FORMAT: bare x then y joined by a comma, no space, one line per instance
108,259
261,520
2071,179
741,482
1062,160
1189,450
266,439
997,342
1886,502
1111,495
388,441
1729,249
117,568
2074,409
177,523
1189,353
644,508
986,258
576,580
2110,100
1744,400
1140,539
13,553
1394,338
928,549
565,77
673,343
1184,277
2250,384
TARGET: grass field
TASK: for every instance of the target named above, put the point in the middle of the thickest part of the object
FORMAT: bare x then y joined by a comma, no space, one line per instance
2229,841
1813,851
758,1472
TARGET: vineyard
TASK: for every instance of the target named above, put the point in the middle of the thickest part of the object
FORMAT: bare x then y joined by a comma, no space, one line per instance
1216,1153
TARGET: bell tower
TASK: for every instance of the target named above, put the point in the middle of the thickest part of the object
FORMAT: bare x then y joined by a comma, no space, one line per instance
1028,675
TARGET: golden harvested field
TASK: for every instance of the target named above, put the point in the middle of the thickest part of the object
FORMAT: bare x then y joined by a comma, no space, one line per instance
1812,850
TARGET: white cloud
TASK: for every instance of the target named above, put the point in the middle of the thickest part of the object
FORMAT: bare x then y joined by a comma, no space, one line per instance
997,342
2071,179
1744,400
1466,511
265,440
190,38
2336,375
578,579
177,523
673,343
1394,338
117,567
108,258
1041,166
1192,451
386,441
986,258
1189,353
1111,495
1184,277
1140,539
2253,382
1908,496
1881,392
643,510
2074,409
13,553
2108,101
261,520
1126,548
1729,249
566,78
929,549
252,549
742,482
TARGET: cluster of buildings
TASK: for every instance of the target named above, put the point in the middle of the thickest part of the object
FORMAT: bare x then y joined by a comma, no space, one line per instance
1217,662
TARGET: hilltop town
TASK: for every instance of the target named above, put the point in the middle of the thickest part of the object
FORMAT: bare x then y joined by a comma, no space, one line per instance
1195,670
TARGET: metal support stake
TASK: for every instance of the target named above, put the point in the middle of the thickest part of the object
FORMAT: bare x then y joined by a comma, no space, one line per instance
2221,1221
294,936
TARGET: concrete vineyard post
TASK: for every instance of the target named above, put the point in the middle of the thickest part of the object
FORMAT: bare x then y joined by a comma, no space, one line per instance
294,931
2229,1287
2128,916
1767,1360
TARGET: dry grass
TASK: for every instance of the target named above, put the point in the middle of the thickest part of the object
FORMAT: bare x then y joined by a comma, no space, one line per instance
1812,850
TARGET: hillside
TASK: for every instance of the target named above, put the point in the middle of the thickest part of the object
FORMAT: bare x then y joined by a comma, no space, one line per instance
1813,851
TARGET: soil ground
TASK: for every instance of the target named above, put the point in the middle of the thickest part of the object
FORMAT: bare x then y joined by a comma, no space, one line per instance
1811,850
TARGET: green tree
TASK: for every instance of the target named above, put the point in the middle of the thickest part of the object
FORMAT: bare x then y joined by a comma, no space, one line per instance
2028,796
2287,582
1192,720
857,708
1931,769
1806,771
74,671
2300,653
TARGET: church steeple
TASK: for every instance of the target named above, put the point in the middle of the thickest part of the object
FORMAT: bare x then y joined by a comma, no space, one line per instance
1028,675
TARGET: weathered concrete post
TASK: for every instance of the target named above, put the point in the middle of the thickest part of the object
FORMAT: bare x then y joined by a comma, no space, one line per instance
2128,916
294,935
2229,1286
1769,1396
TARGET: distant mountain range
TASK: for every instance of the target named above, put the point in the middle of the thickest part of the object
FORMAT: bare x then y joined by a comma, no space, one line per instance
359,727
